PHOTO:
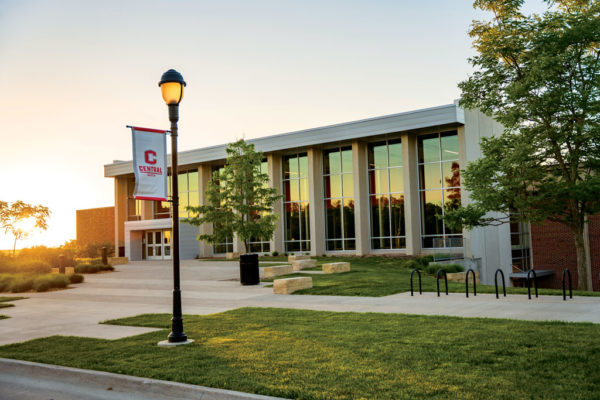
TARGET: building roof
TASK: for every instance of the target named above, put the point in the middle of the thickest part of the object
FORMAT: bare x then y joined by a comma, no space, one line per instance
411,120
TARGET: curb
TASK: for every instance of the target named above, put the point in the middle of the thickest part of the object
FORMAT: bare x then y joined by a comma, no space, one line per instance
121,384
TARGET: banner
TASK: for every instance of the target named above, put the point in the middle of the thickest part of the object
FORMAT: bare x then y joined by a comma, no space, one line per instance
149,163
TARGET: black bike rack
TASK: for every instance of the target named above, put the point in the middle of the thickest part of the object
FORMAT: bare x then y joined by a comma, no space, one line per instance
529,283
411,281
438,281
570,285
496,282
467,282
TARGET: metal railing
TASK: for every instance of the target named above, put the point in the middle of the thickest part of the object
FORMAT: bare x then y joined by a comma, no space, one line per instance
411,281
570,285
496,282
438,281
467,282
534,283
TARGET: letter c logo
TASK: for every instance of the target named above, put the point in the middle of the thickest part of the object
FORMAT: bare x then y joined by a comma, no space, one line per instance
150,156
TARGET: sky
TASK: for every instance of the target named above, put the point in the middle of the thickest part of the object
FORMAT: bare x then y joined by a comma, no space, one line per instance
73,74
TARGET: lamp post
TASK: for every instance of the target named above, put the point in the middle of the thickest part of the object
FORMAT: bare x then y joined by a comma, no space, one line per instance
171,85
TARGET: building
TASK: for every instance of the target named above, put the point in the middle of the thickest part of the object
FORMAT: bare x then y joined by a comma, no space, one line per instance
95,225
364,187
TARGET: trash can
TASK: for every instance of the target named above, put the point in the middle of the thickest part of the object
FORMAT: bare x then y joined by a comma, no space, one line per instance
249,269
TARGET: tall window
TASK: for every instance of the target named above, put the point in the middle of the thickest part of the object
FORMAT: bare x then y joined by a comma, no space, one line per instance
439,188
296,204
260,245
519,243
386,195
227,245
134,207
339,199
162,209
188,195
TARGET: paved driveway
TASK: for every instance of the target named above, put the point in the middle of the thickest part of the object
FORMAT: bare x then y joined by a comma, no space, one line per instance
210,287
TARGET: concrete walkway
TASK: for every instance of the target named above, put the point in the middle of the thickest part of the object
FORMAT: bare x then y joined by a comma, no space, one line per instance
211,287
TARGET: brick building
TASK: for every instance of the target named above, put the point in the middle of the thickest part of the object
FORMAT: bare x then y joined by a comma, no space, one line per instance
95,225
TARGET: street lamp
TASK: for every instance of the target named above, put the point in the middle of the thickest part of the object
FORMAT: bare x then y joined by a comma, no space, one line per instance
171,85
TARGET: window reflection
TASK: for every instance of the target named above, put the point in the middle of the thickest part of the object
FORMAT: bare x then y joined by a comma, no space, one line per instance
296,206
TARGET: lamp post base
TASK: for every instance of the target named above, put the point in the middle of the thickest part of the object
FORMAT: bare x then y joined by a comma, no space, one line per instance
166,343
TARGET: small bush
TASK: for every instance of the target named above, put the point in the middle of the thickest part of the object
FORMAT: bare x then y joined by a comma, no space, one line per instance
412,264
76,278
21,284
6,282
449,268
41,286
106,267
17,266
86,269
42,283
275,253
424,261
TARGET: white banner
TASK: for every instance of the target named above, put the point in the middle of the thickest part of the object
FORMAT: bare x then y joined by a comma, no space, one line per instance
149,163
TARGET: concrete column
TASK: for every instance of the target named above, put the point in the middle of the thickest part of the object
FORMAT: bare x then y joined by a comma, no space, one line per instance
361,198
204,172
147,209
238,245
274,166
315,197
120,211
412,219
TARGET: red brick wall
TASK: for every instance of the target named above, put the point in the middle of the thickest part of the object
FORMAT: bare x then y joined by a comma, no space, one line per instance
553,247
95,225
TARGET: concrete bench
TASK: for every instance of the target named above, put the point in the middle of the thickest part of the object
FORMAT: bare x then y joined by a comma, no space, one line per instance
298,258
336,267
303,264
277,270
118,260
290,285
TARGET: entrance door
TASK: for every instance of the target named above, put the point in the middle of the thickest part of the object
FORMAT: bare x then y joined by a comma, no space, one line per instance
158,244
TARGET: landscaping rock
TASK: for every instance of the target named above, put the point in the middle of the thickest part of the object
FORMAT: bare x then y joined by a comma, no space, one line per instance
118,260
298,258
290,285
336,267
231,256
302,264
277,270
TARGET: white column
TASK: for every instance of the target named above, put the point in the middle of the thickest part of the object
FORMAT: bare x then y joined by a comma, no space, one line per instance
315,197
412,219
204,172
361,198
274,167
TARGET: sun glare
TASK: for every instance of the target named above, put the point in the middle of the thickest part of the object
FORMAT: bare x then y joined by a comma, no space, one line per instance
26,225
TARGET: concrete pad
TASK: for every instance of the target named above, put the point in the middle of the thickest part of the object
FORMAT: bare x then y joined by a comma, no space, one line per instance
302,264
277,270
290,285
336,268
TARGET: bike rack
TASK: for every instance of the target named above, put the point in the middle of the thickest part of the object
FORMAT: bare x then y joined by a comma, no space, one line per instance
570,286
529,283
438,281
411,281
474,282
496,282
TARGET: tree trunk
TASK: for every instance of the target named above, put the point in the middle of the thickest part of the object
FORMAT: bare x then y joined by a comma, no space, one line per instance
582,264
14,246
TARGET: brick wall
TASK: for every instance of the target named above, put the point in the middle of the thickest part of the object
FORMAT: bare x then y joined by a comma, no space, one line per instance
553,247
95,225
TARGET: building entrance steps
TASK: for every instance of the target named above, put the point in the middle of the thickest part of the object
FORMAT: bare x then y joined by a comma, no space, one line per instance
211,287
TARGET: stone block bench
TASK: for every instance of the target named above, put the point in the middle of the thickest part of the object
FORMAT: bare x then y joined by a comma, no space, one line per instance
118,260
290,285
303,264
336,267
277,270
298,258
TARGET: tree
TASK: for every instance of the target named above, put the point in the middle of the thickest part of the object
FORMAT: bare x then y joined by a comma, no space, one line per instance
238,199
538,75
13,215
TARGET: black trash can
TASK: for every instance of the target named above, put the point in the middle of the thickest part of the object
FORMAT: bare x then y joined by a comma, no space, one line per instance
249,269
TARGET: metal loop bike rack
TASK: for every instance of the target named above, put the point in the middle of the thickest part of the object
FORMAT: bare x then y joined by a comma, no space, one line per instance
438,281
566,270
496,282
467,282
411,281
529,283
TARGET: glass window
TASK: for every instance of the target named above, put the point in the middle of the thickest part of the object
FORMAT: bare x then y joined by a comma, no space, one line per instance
295,205
386,195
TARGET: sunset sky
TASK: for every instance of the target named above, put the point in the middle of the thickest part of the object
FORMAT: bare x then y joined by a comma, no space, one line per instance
74,73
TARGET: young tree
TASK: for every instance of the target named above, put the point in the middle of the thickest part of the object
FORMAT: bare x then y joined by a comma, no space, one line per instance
13,215
538,75
239,199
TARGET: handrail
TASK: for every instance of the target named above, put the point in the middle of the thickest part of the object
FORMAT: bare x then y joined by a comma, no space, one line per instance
467,282
529,283
570,285
496,282
438,281
411,281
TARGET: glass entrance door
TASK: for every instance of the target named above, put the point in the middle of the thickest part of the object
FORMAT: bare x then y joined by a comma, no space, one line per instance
158,245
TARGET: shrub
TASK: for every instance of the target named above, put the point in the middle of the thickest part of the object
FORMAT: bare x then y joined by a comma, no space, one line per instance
275,253
42,283
41,286
86,269
21,283
106,267
412,264
6,282
76,278
449,268
424,261
33,267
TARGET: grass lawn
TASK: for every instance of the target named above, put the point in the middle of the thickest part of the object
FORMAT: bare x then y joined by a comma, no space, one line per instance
325,355
4,304
383,276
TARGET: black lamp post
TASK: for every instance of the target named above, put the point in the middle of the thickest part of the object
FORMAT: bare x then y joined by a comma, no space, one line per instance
171,85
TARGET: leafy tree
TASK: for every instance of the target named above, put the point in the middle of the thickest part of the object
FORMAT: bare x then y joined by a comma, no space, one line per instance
13,214
238,199
538,75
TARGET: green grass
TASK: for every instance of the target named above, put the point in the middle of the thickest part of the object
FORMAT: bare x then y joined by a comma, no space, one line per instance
4,304
325,355
383,276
